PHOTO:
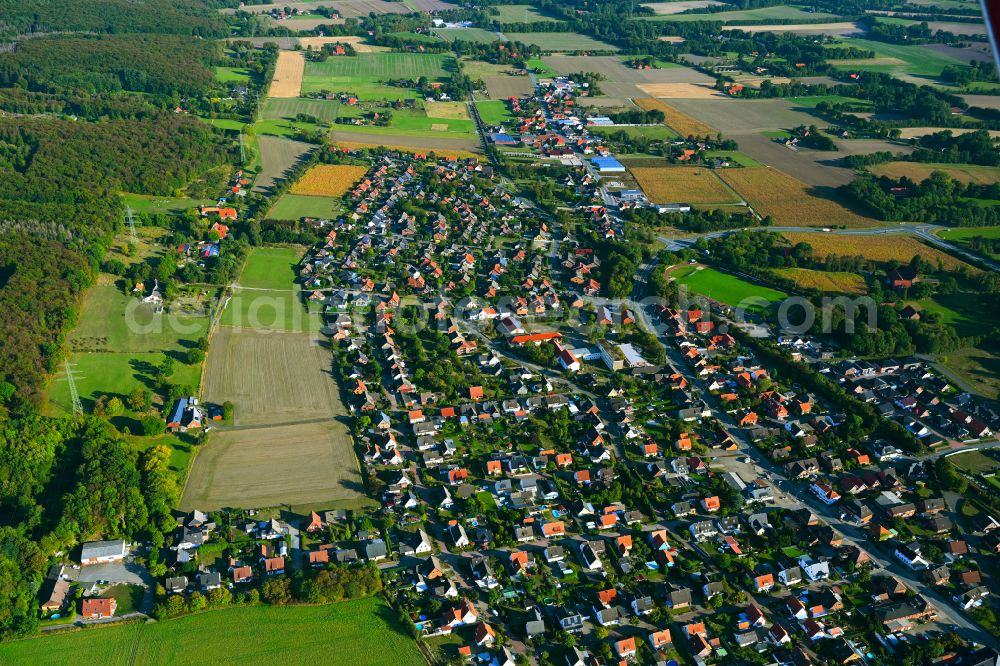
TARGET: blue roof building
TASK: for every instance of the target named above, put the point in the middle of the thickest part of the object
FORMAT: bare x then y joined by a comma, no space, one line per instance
608,165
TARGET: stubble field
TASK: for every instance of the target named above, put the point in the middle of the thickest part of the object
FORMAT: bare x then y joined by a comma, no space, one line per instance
882,248
329,180
288,71
693,185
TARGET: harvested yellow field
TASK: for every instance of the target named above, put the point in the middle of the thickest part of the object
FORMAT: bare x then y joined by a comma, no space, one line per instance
915,132
440,152
836,282
680,90
329,180
447,110
681,123
881,248
288,72
788,201
918,171
693,185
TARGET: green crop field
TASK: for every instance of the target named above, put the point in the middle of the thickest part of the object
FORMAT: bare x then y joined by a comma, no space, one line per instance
726,288
354,633
495,112
520,14
297,206
288,108
896,59
560,41
475,35
415,122
365,74
232,74
779,12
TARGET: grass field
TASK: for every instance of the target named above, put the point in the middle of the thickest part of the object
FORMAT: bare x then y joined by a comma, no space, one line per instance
694,185
560,41
732,156
813,101
787,200
116,374
267,297
964,311
416,122
144,203
726,288
225,124
779,12
113,322
979,367
833,282
475,35
495,112
918,171
884,248
959,234
681,123
365,73
897,59
353,633
329,180
232,74
296,206
655,133
277,109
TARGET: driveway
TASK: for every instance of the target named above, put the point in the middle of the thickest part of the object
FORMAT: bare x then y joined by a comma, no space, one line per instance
120,572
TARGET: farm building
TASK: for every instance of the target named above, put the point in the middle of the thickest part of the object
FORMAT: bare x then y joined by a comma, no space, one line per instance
186,415
608,165
102,552
503,139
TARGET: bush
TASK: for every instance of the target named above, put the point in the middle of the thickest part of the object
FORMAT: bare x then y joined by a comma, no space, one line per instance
152,425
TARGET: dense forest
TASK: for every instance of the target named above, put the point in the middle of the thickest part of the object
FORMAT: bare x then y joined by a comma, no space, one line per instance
158,64
59,181
179,17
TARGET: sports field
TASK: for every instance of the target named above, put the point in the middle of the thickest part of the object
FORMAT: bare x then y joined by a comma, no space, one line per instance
352,633
726,288
366,73
882,248
560,41
788,201
693,185
918,171
494,112
834,282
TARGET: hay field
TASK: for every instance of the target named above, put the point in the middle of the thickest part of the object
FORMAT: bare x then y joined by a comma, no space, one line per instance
881,248
329,180
447,110
288,72
681,123
787,200
271,376
693,185
833,282
918,171
680,90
